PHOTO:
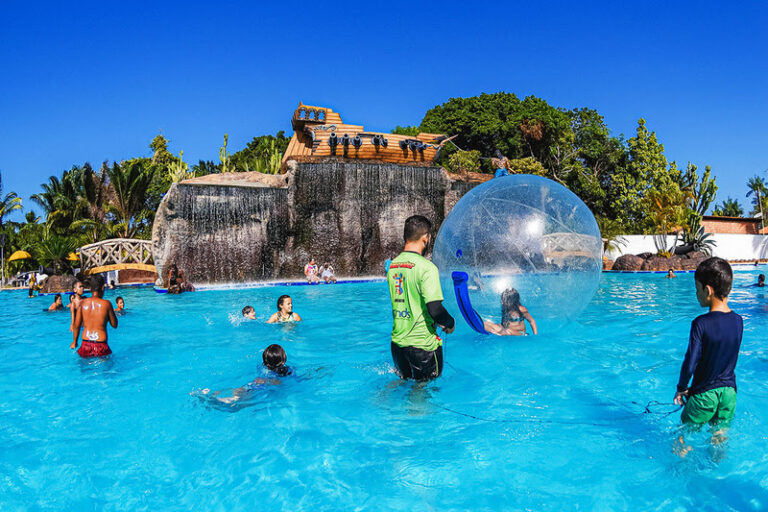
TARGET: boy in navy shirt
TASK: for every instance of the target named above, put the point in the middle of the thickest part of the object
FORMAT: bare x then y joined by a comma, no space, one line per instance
712,351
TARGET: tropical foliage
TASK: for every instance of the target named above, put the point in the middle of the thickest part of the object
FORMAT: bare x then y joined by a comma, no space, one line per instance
728,208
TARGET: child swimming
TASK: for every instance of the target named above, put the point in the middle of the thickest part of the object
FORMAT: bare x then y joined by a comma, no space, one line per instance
513,316
274,359
285,311
120,306
249,313
57,305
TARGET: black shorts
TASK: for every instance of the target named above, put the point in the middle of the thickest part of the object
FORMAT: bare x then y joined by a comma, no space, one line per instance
418,364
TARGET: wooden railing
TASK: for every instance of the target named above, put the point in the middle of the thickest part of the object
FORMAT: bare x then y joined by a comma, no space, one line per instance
116,254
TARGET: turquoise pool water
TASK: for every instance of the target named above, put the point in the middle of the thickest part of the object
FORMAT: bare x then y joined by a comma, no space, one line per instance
552,422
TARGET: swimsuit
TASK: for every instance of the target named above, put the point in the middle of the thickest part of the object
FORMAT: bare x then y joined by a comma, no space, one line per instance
94,349
289,318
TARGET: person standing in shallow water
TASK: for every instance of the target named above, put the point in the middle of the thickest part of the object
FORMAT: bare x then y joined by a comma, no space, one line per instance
417,306
93,315
77,298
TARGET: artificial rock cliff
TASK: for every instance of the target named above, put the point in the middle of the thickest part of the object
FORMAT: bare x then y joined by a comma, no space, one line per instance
250,227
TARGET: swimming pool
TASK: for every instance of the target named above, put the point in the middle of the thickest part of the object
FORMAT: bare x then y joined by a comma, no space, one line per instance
547,422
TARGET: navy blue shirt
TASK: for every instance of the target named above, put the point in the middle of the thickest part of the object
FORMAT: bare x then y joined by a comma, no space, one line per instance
712,352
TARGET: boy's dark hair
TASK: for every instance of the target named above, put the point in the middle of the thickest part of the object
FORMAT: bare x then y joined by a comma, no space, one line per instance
761,277
247,309
416,226
96,282
57,297
281,299
717,273
119,298
274,357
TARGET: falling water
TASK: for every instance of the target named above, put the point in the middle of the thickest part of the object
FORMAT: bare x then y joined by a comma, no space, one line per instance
348,213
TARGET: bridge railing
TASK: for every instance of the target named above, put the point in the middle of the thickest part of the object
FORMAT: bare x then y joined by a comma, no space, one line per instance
116,251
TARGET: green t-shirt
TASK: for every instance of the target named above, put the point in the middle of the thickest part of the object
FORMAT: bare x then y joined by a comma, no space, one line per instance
413,282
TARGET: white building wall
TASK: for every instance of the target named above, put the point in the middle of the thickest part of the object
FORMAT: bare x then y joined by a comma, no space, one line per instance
729,247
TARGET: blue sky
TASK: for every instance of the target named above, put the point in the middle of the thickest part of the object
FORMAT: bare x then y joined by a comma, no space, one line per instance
93,81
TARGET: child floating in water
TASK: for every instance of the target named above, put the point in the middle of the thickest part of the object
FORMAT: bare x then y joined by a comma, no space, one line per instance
120,306
274,360
713,349
760,281
671,274
284,311
57,305
513,316
249,313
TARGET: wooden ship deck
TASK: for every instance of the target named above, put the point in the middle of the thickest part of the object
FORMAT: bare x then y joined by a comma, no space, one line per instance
320,134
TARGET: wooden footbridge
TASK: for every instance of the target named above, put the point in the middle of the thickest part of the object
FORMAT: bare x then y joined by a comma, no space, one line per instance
117,254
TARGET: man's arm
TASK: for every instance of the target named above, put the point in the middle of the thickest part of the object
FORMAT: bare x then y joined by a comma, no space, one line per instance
111,316
441,316
76,327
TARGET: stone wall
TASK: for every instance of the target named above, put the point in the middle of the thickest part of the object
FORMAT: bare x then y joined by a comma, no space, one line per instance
248,229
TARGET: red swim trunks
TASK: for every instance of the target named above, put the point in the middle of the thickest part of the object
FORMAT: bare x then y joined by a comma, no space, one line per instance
94,349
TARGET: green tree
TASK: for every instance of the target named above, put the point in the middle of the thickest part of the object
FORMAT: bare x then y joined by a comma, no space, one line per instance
758,189
527,165
646,184
130,182
8,203
160,154
408,131
263,153
729,208
462,162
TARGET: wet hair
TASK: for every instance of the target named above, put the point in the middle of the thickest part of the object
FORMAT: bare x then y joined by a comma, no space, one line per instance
281,299
416,226
761,277
74,285
71,298
717,273
119,299
96,282
510,303
56,297
247,309
274,357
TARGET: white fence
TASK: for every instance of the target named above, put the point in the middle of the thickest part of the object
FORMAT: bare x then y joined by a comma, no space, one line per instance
729,247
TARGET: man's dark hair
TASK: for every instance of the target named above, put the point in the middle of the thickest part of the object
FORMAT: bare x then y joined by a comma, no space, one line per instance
96,282
281,299
717,273
274,356
247,309
416,226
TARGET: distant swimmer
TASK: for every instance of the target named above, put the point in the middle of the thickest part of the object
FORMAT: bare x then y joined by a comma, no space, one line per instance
57,305
760,281
274,359
75,300
249,313
513,316
671,274
285,311
93,315
120,302
417,306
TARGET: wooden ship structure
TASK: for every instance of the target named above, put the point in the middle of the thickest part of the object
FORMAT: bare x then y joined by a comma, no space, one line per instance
320,134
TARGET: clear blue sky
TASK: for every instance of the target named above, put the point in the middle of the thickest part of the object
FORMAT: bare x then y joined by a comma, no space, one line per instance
92,81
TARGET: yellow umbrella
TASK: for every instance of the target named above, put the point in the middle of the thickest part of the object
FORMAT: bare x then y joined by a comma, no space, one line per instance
19,255
73,257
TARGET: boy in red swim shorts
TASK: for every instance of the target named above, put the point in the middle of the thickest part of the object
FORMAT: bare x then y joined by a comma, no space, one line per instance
93,315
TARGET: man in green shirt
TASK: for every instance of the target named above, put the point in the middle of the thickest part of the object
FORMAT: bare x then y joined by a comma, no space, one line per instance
417,306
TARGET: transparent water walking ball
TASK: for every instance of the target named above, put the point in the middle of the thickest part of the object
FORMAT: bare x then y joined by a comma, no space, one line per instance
525,233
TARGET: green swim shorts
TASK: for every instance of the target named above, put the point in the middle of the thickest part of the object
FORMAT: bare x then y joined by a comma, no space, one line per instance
716,406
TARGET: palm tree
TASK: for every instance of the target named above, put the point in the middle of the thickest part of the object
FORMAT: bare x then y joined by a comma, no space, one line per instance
130,182
9,203
729,208
757,187
93,193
